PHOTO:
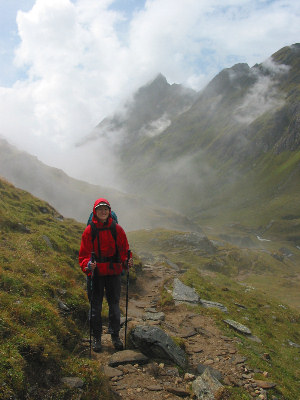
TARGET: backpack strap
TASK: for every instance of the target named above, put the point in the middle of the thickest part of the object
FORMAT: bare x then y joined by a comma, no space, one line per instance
95,233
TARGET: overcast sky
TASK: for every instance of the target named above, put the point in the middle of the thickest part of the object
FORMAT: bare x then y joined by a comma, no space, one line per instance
67,64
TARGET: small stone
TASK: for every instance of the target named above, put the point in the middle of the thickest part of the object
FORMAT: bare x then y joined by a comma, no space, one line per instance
208,362
189,377
266,356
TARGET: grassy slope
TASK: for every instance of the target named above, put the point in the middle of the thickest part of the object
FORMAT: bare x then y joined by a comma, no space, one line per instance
38,268
267,313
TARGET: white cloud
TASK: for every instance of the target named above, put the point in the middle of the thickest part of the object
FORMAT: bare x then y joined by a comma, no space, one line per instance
84,58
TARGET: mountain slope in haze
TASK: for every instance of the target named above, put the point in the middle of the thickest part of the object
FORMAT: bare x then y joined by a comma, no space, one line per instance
74,198
234,154
148,113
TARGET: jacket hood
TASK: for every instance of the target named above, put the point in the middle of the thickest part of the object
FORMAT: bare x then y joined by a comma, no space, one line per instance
101,200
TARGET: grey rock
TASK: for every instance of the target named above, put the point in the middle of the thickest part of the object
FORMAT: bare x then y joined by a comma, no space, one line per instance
292,344
154,342
238,327
123,320
127,357
213,304
23,228
183,293
63,306
72,382
172,265
214,372
205,386
255,339
48,241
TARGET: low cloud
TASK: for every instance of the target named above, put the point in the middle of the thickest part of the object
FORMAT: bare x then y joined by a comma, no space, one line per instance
156,127
81,59
263,95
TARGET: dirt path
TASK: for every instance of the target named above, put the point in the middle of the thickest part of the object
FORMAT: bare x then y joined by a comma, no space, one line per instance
204,344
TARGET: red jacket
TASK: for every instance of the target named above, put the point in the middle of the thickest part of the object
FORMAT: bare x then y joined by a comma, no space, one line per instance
107,246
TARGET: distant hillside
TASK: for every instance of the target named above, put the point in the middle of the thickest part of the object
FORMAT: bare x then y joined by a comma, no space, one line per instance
75,199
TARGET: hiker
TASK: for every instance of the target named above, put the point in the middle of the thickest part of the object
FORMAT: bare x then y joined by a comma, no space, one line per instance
107,240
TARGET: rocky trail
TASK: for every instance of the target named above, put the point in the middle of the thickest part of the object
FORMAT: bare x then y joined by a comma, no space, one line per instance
213,360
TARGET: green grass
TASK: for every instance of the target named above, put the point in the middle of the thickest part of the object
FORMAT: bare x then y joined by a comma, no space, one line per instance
39,343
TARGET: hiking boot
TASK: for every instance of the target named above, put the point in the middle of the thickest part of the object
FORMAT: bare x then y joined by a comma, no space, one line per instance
116,341
97,345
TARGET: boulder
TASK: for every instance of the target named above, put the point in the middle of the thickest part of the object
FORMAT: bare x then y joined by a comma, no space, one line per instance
205,386
154,342
183,293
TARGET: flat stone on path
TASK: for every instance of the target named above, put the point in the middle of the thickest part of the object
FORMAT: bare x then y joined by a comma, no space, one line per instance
265,384
183,293
72,382
111,372
127,357
238,327
154,316
189,332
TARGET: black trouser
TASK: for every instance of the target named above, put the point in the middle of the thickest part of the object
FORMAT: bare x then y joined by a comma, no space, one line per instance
112,286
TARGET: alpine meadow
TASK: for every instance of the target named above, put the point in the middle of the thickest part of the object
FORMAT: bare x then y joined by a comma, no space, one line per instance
209,199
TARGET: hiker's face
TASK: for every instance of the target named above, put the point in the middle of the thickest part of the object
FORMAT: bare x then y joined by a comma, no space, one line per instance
102,213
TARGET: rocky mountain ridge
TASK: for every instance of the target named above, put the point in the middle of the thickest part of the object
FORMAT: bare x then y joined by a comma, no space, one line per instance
243,127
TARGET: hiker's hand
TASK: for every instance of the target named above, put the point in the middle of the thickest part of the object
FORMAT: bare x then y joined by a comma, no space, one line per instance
91,265
130,262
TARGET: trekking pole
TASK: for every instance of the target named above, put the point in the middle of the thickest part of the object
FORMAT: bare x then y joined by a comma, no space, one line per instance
93,259
127,286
